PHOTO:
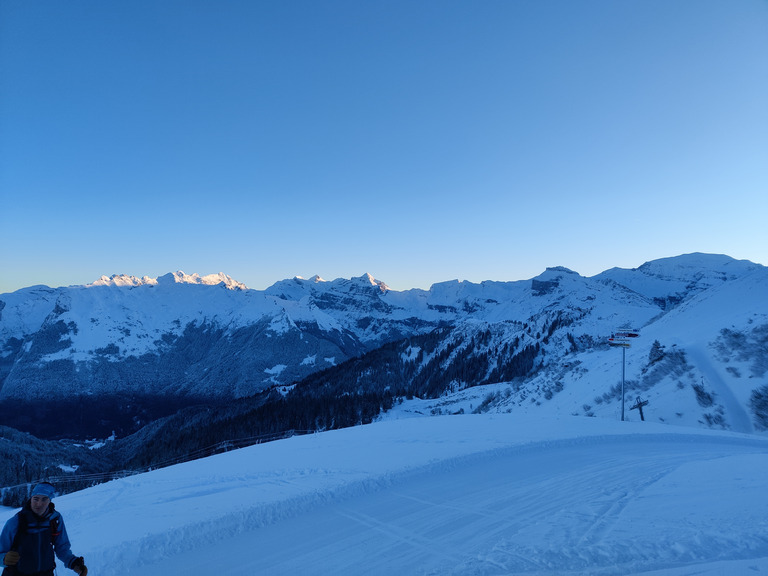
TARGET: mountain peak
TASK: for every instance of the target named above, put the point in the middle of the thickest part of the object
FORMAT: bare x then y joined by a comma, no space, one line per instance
698,263
179,277
555,271
368,279
123,280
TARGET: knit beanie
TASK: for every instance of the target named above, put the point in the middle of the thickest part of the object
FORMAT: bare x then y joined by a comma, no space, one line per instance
44,489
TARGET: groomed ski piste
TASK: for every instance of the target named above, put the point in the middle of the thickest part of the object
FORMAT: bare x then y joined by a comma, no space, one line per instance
460,494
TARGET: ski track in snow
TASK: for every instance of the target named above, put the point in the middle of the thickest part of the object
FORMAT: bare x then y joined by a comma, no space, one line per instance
456,495
505,512
739,420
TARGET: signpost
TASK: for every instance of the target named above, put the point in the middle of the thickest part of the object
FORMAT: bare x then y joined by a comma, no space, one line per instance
620,338
639,406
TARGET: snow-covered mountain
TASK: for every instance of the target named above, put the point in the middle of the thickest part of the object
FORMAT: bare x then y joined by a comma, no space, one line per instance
139,348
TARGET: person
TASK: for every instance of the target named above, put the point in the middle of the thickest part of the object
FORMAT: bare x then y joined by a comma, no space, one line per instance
32,536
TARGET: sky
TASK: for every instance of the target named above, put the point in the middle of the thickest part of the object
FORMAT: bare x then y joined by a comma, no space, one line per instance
418,141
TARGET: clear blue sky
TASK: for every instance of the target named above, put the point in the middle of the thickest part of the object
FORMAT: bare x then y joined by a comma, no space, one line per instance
419,141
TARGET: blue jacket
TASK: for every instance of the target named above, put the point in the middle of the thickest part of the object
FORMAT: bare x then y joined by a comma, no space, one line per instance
37,545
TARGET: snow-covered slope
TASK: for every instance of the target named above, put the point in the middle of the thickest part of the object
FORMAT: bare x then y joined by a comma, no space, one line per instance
679,276
470,495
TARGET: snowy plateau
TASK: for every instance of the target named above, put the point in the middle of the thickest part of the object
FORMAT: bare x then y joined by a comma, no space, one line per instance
499,447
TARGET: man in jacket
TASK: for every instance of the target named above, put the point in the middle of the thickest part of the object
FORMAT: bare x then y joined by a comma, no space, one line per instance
31,537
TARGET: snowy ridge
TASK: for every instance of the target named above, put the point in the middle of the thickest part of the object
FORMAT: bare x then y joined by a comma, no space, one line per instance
122,280
200,337
669,277
470,495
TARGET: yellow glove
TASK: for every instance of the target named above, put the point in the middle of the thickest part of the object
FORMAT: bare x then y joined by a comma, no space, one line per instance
11,558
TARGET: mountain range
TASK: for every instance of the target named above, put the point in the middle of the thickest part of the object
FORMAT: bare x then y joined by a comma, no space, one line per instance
122,352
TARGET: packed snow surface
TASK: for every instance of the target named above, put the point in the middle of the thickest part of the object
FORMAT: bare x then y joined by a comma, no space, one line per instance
462,494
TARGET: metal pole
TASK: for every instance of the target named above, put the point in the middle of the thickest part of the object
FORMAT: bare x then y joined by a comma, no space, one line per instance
623,356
